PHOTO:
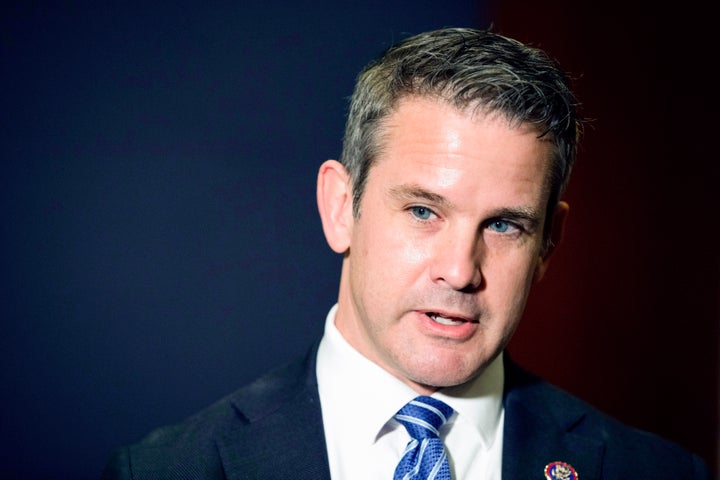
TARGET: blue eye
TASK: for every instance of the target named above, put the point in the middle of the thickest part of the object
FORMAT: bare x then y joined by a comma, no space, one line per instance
500,226
422,213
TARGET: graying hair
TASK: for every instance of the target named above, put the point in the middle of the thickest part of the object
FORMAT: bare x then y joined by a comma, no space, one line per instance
467,68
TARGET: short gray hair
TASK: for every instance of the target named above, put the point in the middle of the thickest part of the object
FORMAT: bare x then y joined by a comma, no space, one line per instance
465,67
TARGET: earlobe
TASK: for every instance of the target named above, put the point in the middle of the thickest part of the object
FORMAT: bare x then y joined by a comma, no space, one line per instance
334,198
557,230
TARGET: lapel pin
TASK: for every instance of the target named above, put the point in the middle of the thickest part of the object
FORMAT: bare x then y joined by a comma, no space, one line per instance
560,471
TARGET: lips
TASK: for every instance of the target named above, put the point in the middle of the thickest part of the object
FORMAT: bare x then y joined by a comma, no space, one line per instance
445,319
447,325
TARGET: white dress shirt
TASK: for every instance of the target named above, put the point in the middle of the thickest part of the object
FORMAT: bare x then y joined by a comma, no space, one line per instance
359,399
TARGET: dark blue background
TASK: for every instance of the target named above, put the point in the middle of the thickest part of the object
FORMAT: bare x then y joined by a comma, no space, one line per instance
160,241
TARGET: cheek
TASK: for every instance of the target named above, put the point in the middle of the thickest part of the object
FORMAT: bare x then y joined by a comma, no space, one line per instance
510,279
393,248
411,254
407,246
386,265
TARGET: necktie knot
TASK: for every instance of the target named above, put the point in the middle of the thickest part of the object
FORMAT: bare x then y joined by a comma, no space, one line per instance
424,457
423,417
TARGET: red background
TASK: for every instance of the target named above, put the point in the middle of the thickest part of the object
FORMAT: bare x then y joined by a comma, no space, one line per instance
627,317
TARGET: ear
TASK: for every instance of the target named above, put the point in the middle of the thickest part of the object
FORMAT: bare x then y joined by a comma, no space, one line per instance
557,229
334,198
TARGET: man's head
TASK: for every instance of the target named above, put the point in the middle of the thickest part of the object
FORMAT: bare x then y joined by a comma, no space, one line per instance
469,69
445,206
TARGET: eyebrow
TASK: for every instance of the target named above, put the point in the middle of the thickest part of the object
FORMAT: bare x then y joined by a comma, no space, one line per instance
416,192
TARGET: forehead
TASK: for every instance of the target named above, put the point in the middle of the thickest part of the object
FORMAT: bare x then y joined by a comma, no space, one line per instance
430,137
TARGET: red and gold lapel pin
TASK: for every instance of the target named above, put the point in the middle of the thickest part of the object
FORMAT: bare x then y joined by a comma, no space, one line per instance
560,471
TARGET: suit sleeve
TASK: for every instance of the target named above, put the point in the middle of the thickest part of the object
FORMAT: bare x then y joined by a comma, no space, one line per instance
118,468
700,468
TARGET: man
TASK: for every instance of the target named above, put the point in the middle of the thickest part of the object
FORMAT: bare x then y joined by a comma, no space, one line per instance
446,208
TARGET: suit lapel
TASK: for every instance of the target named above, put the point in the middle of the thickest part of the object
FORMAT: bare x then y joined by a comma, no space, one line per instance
279,433
538,431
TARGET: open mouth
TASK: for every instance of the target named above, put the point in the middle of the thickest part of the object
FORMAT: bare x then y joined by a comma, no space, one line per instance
437,318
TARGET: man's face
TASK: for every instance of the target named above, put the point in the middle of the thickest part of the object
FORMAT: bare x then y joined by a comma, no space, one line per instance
448,240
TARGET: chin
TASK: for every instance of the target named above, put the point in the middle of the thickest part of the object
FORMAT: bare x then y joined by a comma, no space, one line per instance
428,384
446,373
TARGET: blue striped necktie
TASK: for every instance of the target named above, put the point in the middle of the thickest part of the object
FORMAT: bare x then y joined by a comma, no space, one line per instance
424,457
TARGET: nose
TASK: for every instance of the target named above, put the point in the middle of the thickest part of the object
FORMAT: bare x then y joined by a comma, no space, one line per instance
457,263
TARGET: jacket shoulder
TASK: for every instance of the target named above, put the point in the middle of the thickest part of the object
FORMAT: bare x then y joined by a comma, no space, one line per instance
192,447
627,451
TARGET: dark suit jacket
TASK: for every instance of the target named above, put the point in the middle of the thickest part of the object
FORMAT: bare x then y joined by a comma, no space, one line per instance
272,429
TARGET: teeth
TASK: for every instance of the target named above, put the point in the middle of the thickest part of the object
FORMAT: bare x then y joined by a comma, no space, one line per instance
444,320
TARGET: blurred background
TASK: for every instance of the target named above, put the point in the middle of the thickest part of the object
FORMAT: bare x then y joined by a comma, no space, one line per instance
161,244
